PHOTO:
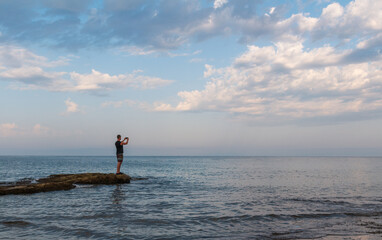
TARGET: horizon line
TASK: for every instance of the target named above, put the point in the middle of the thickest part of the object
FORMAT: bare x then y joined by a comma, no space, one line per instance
79,155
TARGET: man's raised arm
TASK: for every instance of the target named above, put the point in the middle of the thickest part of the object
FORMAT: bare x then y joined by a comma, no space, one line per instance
125,143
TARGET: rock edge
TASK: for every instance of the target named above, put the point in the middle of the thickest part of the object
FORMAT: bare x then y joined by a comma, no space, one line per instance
64,182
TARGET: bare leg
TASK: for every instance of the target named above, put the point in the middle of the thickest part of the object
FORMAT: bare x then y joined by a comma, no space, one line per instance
119,167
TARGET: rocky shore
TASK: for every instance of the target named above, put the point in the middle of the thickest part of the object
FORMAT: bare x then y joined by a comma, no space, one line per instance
63,182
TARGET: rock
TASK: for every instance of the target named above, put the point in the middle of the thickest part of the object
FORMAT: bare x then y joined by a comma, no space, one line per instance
64,182
87,178
35,188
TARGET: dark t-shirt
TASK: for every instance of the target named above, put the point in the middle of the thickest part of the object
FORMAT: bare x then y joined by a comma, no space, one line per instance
119,147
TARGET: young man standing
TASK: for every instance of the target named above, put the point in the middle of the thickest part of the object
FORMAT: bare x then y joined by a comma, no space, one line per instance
119,145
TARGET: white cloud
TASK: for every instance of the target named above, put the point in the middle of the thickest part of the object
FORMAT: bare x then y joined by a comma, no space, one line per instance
31,75
103,81
71,107
138,51
171,54
364,14
289,81
358,18
272,10
16,57
197,60
219,3
39,129
19,65
374,41
7,129
23,66
163,27
286,81
98,82
118,104
291,55
331,14
12,130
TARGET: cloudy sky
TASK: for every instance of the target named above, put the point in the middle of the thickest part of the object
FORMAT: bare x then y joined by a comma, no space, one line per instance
223,77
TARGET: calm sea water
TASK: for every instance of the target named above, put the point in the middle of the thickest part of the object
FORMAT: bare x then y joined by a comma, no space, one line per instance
199,197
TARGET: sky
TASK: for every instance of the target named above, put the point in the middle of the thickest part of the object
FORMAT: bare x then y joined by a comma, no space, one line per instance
223,77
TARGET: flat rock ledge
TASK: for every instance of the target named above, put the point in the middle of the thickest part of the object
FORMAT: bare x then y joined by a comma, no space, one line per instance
64,182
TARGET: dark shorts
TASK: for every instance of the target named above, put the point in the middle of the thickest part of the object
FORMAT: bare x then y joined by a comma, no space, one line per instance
120,157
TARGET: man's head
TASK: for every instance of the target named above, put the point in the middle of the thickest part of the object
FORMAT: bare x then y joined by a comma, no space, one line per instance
119,137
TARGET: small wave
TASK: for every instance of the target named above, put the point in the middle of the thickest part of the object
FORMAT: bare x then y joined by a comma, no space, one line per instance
335,214
366,214
18,223
286,233
77,233
85,185
139,178
95,216
372,225
236,218
323,201
150,221
271,217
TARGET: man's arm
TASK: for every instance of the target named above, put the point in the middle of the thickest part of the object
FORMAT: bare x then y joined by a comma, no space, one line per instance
125,143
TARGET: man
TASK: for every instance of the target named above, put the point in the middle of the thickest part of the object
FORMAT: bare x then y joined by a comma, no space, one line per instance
119,146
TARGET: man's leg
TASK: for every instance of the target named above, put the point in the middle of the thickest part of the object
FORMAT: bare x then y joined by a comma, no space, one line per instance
119,167
120,160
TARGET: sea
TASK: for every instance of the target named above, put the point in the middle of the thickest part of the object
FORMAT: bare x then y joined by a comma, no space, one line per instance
198,198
